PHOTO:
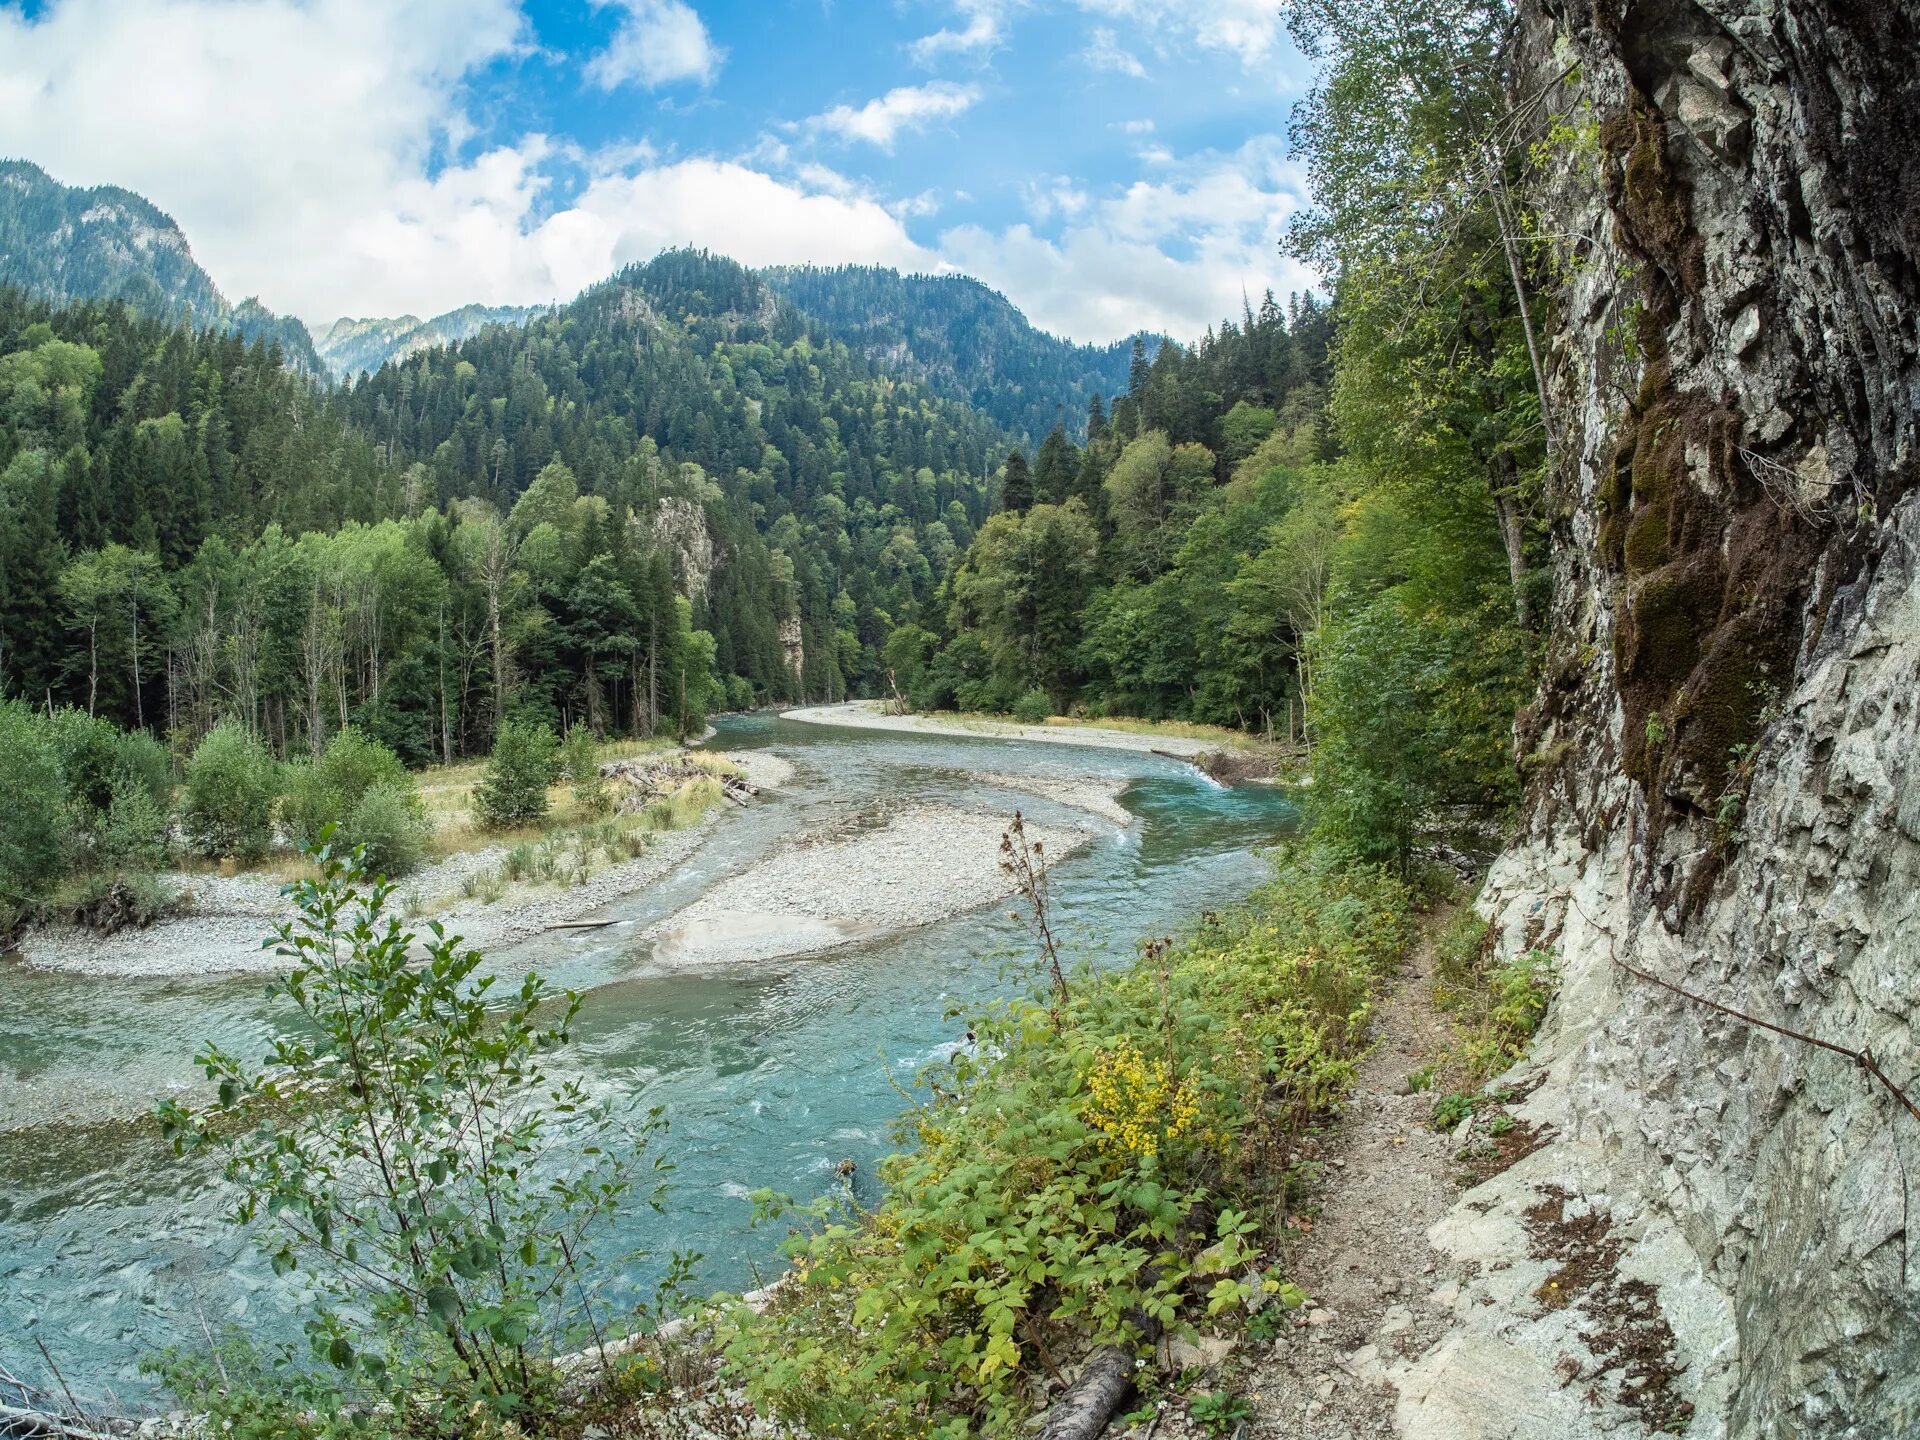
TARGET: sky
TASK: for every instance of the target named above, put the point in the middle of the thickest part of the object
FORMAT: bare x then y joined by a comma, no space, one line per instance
1109,165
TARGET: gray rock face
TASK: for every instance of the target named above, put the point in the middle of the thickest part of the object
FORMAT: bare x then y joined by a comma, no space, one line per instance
1723,789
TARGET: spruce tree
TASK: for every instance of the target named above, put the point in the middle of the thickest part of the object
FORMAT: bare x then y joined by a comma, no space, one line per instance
1016,490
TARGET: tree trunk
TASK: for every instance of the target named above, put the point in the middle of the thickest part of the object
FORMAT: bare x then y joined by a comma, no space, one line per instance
1083,1412
139,706
1506,479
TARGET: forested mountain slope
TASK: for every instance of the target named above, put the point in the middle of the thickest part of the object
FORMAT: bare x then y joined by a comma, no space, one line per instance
66,244
502,526
349,346
964,340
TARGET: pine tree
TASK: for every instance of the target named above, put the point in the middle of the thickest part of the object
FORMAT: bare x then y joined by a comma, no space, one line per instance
1016,489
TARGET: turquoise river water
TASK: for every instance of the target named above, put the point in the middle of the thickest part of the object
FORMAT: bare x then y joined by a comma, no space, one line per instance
770,1073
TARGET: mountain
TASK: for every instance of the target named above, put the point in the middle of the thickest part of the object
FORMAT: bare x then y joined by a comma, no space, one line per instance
351,346
965,341
679,427
66,244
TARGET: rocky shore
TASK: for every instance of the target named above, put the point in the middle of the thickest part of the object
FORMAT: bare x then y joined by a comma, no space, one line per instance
919,865
872,715
819,889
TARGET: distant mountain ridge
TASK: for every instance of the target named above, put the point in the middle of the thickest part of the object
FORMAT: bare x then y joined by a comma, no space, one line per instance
965,340
350,346
64,244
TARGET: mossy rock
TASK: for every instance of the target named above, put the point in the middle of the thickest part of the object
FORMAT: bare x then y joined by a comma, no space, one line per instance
1723,705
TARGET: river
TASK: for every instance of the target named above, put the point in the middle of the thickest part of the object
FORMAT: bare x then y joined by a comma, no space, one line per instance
770,1074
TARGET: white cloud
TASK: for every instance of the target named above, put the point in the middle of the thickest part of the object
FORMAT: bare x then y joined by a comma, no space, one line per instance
657,42
910,107
1250,29
984,25
1171,255
723,205
1103,52
1135,127
1055,195
302,145
274,132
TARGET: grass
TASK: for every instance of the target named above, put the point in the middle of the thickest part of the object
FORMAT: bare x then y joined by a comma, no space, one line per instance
568,848
1495,1004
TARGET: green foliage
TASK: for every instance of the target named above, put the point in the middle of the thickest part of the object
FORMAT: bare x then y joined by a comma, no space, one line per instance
133,832
513,791
409,1152
327,793
1498,1003
1033,708
580,759
249,1392
1095,1160
226,807
388,829
1220,1412
1450,1109
33,823
1414,711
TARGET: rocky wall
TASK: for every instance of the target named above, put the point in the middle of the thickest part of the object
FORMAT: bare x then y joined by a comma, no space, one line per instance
1724,777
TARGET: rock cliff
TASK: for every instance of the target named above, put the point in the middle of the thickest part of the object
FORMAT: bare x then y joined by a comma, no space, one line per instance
1722,782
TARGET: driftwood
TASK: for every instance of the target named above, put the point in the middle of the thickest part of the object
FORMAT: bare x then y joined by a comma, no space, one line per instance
643,780
1092,1400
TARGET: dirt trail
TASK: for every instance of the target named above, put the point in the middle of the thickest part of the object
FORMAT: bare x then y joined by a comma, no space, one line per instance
1379,1291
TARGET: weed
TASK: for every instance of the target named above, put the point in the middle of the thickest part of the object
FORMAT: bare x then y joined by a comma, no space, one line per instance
1450,1109
1220,1411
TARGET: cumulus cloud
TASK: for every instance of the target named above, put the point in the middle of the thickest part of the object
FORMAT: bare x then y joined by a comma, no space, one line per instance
726,206
1103,52
1250,29
983,25
282,135
1172,255
304,146
909,107
657,43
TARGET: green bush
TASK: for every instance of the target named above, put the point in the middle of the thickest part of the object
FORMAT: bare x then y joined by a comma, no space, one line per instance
133,833
33,822
1090,1165
513,790
227,804
580,758
1033,708
328,791
387,825
439,1289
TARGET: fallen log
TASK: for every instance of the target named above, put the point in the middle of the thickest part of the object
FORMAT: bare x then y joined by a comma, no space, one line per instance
1092,1400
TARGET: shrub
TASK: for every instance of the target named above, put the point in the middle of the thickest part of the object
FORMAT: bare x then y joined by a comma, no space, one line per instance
387,825
33,823
514,789
442,1286
328,791
133,833
1033,708
227,805
580,757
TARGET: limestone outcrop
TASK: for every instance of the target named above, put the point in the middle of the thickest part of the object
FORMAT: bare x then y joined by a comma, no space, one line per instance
1722,780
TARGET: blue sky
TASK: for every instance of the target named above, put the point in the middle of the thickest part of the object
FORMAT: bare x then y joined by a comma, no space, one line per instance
1109,164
